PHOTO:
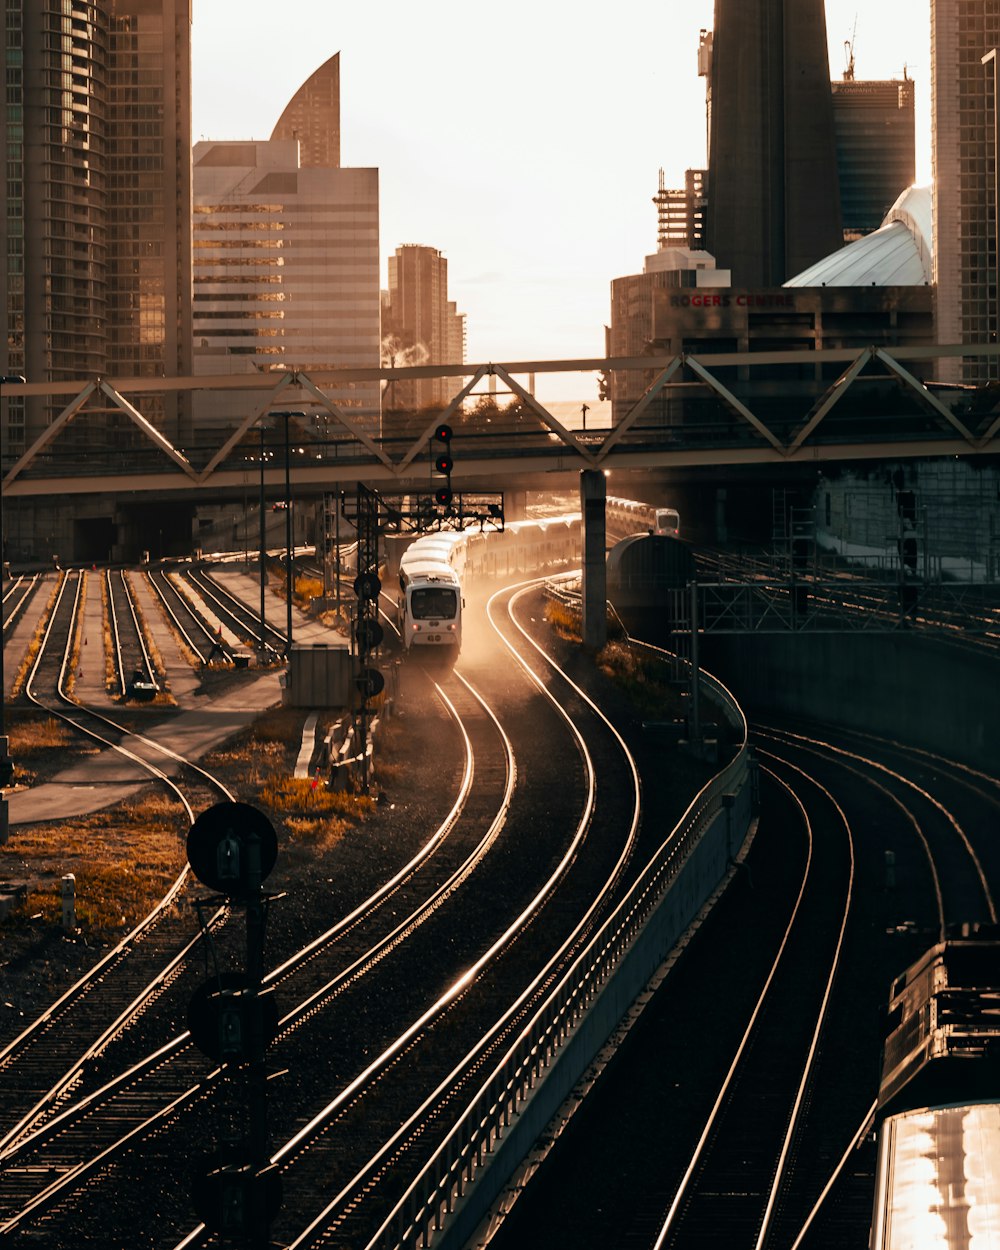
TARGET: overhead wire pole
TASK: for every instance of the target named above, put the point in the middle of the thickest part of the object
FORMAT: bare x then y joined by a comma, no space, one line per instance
6,763
288,535
263,551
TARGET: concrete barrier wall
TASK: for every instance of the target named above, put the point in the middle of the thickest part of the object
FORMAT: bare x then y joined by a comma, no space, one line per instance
699,877
932,694
703,871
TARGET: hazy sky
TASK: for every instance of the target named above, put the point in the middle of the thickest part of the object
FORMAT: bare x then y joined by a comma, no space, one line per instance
523,140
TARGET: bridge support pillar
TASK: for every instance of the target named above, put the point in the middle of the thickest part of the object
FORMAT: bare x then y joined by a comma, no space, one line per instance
515,505
593,496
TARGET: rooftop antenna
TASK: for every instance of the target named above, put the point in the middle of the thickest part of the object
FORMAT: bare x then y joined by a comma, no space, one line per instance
849,52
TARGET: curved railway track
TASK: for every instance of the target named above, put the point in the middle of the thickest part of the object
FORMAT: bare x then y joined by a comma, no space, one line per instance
508,958
765,1149
190,625
410,997
61,1051
239,617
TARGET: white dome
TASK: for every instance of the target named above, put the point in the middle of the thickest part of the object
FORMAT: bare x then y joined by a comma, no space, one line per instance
898,253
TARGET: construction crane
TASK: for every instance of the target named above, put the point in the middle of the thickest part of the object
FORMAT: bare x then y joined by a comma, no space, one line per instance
849,52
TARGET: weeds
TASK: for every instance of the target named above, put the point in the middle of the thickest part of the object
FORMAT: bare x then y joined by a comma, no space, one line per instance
645,679
565,622
123,859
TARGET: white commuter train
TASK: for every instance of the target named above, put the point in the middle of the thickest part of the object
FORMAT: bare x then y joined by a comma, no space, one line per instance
430,591
435,567
634,517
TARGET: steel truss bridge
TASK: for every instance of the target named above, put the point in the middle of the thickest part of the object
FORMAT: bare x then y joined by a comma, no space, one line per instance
778,408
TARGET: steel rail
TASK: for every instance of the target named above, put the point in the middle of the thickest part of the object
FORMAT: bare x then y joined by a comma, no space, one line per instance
927,797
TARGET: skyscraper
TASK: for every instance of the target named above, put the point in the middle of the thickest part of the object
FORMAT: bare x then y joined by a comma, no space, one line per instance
96,248
422,325
773,200
286,270
963,131
876,155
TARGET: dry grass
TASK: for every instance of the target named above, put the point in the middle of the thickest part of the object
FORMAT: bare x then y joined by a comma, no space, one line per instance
563,621
73,667
264,757
122,858
306,589
645,679
33,733
35,739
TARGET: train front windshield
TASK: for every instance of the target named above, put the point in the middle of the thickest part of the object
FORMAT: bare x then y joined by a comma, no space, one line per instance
668,521
433,603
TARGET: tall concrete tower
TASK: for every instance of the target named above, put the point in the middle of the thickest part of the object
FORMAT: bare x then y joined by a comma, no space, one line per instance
773,196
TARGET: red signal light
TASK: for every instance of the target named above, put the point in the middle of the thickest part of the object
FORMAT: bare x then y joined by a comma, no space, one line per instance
442,496
444,463
443,433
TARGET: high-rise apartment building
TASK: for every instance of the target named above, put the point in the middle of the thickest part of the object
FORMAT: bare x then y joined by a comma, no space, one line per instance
773,201
876,153
963,120
286,255
96,247
422,325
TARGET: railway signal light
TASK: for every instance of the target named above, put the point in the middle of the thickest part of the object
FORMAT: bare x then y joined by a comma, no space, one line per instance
230,1194
367,587
370,683
370,634
231,848
444,462
224,1018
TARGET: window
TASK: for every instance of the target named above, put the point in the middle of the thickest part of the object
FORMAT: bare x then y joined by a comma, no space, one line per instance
433,603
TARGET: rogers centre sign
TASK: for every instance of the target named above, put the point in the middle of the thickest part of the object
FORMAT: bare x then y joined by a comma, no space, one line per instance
741,299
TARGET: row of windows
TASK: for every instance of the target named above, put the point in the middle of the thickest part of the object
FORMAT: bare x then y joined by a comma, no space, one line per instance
295,328
290,208
214,244
248,279
249,225
222,296
258,209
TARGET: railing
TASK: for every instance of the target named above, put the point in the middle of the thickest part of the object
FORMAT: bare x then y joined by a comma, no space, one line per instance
427,1208
859,404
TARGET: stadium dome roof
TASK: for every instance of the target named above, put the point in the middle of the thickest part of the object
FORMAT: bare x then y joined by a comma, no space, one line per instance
898,253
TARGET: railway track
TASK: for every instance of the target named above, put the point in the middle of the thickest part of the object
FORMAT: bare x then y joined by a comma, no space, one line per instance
135,672
18,594
357,1004
766,1149
212,598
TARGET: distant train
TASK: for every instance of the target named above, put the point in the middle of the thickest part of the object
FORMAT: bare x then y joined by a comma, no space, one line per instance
938,1111
634,517
435,567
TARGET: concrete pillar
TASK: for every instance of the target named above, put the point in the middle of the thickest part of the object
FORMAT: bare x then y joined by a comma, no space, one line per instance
515,505
593,495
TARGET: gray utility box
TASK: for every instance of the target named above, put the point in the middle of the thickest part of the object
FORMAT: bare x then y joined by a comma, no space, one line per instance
319,675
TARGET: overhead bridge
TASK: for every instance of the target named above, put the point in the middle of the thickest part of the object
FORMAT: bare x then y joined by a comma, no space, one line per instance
208,437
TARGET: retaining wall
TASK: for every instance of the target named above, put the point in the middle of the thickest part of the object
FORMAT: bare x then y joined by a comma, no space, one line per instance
937,695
